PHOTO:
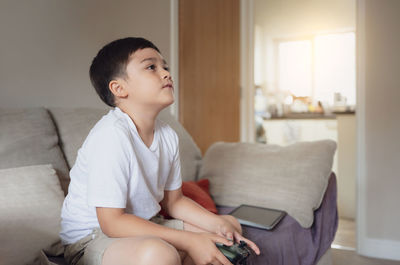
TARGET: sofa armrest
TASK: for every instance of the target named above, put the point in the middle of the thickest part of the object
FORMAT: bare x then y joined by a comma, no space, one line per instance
291,178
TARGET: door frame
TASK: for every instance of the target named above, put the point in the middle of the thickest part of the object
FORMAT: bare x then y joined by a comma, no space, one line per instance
247,121
174,54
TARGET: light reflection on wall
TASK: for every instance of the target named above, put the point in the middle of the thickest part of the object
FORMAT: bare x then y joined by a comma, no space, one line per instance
318,67
304,48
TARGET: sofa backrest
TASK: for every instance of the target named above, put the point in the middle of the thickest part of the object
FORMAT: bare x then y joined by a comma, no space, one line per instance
28,137
74,124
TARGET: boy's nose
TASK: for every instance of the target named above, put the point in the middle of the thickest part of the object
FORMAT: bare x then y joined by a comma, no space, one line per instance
167,75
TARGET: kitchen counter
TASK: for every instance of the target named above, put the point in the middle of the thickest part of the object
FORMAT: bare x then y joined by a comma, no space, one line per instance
308,116
304,116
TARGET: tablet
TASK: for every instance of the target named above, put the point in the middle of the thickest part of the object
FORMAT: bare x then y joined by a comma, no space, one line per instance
259,217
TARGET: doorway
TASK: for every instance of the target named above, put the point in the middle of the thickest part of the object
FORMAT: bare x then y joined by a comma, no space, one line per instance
304,85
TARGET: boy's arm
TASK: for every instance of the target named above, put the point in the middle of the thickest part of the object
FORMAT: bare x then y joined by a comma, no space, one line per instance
182,207
114,222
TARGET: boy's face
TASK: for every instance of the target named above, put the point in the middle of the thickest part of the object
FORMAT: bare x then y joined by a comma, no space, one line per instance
148,83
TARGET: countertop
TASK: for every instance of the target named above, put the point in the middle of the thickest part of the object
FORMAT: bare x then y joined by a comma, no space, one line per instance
310,116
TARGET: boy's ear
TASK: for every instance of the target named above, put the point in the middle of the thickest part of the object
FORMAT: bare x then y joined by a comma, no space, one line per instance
117,89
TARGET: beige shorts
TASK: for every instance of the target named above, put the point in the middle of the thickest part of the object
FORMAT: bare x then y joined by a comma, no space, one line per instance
90,249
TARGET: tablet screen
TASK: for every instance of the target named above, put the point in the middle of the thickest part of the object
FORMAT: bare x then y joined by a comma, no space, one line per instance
259,217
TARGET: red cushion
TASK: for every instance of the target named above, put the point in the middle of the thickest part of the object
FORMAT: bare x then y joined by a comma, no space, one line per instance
199,192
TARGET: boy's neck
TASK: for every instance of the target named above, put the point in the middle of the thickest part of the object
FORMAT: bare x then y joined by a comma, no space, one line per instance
144,122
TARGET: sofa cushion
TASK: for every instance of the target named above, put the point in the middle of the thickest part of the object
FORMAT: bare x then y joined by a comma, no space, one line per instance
199,191
28,137
74,124
291,178
30,213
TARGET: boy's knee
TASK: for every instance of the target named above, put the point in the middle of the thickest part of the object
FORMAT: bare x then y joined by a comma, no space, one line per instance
157,251
141,250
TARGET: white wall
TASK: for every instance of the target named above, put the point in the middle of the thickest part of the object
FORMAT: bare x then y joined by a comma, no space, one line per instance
46,46
289,18
379,128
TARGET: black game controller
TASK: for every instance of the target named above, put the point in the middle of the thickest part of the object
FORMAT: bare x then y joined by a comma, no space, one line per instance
236,254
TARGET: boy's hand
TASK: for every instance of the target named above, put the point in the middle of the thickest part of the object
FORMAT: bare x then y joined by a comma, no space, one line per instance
230,228
202,249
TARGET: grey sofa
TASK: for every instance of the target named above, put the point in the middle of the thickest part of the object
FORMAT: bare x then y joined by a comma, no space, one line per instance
38,146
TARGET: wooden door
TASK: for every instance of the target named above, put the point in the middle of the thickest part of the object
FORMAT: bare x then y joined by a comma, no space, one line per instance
209,70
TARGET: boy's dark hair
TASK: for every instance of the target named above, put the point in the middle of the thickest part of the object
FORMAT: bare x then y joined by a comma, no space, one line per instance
110,62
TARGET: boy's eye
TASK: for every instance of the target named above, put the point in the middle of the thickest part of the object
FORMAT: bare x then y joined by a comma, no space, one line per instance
166,68
151,67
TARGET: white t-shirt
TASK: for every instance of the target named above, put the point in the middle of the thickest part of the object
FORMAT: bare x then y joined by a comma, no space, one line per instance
114,168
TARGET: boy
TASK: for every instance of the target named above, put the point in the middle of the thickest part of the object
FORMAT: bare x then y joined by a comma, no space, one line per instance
129,165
